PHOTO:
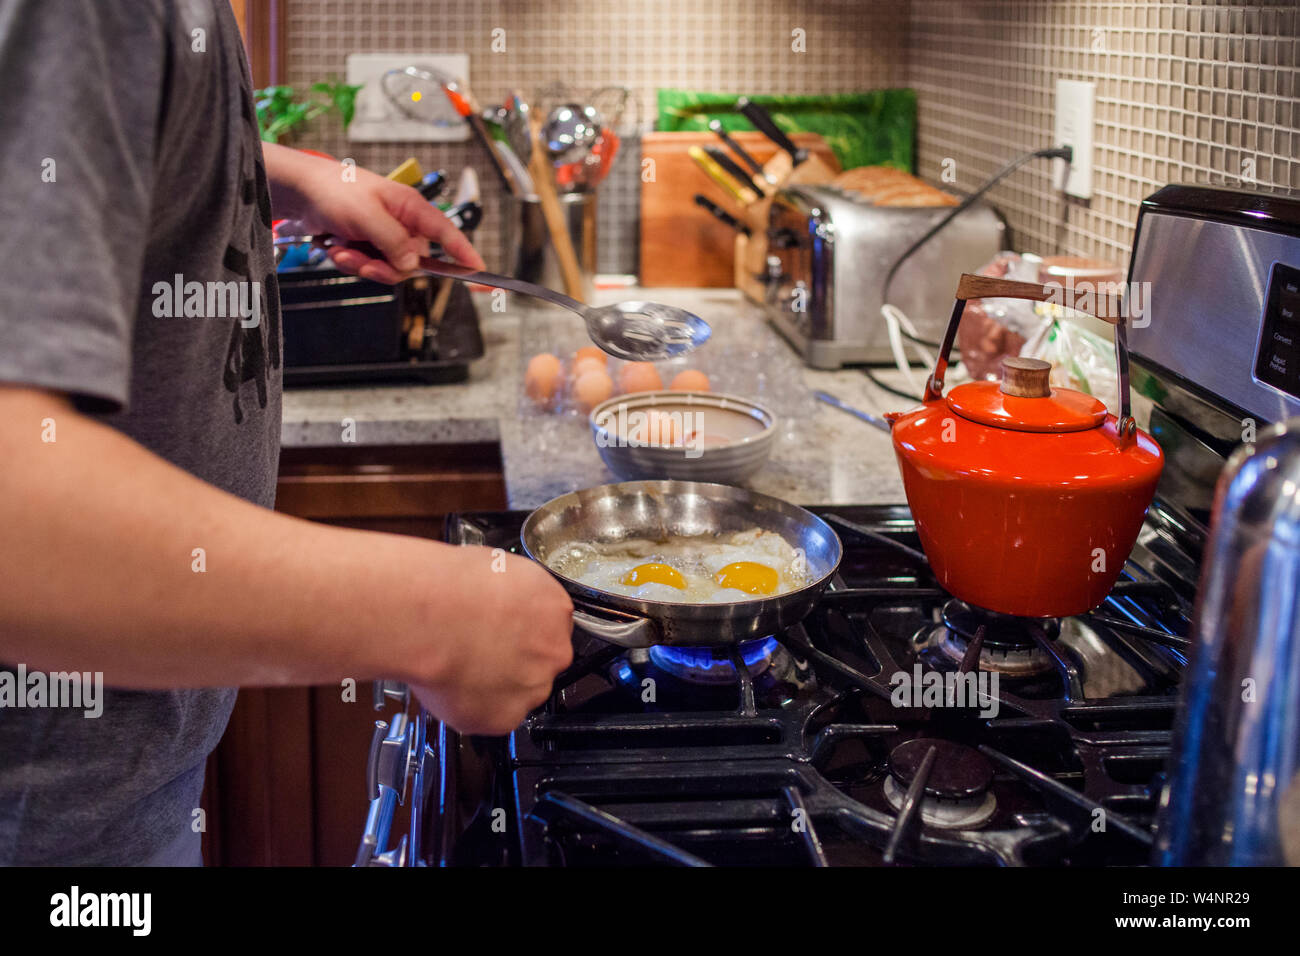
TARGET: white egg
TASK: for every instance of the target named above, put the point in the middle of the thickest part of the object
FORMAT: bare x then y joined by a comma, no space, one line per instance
767,566
660,592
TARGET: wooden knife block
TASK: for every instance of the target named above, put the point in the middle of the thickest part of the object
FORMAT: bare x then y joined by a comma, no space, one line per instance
682,245
750,262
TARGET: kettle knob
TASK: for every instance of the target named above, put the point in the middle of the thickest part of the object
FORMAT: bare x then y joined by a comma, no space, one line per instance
1026,377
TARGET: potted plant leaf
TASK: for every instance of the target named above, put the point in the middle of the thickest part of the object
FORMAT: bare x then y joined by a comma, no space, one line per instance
282,111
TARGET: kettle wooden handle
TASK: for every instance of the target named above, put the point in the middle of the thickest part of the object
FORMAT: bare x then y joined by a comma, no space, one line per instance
1100,299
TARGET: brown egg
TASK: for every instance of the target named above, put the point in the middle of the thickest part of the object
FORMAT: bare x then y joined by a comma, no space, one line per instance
586,363
591,388
590,351
654,428
639,377
542,378
661,428
690,380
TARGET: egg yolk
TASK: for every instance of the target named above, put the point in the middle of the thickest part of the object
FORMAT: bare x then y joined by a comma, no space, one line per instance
655,573
747,576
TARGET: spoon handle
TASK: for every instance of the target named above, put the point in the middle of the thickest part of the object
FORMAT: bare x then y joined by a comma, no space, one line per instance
447,269
450,270
867,417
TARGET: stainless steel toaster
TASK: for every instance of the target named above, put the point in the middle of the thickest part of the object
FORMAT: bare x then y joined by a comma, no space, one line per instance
829,251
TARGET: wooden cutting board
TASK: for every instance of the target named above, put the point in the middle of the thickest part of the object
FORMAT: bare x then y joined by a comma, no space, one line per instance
682,244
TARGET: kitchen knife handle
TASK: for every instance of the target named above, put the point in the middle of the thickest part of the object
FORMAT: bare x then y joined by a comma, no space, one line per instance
728,164
465,216
721,214
745,195
754,165
432,185
764,123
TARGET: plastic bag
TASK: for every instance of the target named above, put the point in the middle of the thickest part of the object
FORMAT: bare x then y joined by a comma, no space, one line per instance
993,328
1080,359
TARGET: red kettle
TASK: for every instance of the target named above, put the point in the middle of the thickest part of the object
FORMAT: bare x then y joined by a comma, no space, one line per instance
1027,498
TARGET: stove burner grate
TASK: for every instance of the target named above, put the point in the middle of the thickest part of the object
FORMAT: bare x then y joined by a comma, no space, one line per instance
1010,647
1000,630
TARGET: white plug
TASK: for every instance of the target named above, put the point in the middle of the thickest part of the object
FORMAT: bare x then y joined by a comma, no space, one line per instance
1073,128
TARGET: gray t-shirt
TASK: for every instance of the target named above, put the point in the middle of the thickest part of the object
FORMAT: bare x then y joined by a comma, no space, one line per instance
129,158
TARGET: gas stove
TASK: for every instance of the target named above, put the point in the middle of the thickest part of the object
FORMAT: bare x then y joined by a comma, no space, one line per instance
865,735
895,725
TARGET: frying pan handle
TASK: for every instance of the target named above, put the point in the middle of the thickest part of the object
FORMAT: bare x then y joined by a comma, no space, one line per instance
631,632
1103,305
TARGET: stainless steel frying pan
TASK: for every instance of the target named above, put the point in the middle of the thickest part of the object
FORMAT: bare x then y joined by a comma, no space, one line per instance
658,510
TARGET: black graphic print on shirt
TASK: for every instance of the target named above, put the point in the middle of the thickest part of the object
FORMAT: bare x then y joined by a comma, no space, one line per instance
254,351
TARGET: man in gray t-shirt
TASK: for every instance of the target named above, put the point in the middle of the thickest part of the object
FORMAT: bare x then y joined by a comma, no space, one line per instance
140,378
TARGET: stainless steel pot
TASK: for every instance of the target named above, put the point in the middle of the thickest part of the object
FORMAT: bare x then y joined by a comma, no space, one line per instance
528,246
1233,797
658,510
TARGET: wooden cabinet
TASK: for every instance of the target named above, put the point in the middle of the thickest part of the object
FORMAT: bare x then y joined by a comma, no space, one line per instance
262,24
286,786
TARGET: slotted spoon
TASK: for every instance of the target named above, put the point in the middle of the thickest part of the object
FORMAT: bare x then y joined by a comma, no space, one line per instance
636,331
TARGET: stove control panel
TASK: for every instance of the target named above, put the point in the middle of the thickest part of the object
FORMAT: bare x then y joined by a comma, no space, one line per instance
1277,360
1215,267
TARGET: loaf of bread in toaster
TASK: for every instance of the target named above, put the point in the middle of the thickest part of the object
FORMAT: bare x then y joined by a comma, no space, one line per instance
887,186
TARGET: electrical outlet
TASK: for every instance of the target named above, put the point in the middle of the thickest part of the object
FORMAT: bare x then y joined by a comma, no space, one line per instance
1074,109
379,120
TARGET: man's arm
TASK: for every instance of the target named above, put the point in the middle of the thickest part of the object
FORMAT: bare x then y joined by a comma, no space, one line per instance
361,205
97,574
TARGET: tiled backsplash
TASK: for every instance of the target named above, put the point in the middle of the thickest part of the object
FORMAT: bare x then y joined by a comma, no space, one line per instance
1186,92
730,45
1199,91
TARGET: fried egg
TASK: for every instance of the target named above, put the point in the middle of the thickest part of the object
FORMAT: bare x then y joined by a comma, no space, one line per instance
742,566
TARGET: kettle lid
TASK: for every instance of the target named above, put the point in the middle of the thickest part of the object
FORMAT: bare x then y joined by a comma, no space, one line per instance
1025,401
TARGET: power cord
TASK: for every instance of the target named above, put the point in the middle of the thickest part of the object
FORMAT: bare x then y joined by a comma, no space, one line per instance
876,381
1057,152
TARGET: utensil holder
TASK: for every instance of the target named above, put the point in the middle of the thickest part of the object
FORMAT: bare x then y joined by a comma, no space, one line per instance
529,252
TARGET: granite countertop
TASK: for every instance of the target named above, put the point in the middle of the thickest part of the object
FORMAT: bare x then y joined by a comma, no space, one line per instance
822,455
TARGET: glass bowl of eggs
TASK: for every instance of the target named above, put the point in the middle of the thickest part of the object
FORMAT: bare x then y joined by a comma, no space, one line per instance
683,434
577,383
